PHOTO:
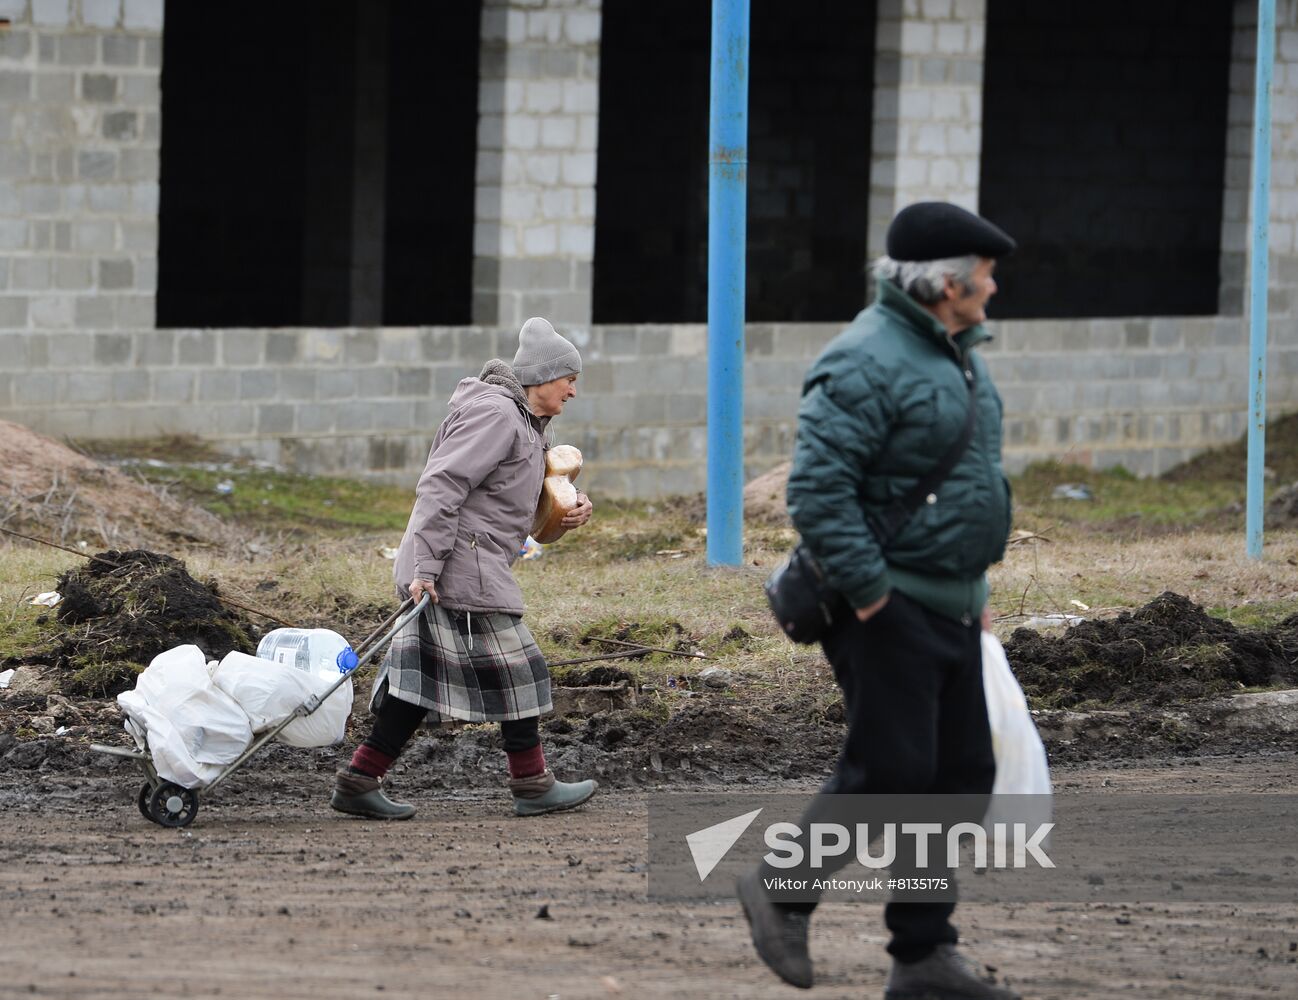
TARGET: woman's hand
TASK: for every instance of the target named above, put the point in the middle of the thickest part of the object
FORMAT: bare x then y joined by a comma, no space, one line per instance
580,514
419,587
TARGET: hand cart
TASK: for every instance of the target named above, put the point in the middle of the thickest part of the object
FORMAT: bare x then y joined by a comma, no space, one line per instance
169,804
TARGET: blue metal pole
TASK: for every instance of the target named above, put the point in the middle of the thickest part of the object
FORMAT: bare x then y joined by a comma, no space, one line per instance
727,232
1258,268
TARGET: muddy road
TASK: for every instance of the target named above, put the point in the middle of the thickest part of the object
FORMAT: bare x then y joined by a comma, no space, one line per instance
271,894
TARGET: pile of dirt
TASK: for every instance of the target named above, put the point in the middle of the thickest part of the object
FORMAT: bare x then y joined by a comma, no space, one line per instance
121,609
1282,511
1167,651
1230,462
764,497
59,494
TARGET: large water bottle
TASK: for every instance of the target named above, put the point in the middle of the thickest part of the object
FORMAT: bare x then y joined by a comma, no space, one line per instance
316,651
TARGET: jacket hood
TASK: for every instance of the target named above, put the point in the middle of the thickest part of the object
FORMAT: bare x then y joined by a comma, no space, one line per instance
471,390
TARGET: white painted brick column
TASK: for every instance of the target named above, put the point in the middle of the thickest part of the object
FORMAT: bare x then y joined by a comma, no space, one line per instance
927,133
534,228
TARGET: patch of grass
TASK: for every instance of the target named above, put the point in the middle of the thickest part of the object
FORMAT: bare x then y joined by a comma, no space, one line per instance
1118,497
24,573
98,679
1256,614
261,499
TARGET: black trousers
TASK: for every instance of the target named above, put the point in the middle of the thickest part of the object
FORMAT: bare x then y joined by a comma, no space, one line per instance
916,723
396,721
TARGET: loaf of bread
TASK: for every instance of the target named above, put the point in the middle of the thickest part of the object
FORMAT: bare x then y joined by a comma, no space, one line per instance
558,495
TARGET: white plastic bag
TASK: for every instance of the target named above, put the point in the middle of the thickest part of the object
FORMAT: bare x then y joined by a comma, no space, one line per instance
1021,767
268,691
193,728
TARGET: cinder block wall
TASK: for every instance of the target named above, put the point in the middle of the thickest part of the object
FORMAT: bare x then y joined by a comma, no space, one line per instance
80,356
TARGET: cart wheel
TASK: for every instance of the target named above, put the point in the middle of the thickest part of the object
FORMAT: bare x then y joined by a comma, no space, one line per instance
142,800
172,805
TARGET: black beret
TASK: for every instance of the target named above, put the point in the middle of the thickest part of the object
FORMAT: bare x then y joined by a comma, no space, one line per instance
935,230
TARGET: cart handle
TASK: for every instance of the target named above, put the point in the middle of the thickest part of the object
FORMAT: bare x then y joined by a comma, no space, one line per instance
404,615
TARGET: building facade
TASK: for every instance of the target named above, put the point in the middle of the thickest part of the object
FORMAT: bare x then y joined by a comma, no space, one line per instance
293,232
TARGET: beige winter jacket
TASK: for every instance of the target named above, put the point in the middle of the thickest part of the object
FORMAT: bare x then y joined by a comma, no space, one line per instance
475,501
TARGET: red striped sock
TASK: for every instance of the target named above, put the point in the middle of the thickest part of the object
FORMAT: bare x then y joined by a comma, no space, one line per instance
369,761
526,763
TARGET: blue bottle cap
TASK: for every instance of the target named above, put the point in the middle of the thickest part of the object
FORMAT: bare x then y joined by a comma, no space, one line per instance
347,661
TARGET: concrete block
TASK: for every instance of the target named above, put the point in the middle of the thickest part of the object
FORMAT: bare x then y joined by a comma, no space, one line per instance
242,348
353,417
78,50
96,235
108,198
15,45
173,386
258,384
281,346
375,383
72,273
56,88
360,347
138,165
295,384
196,347
101,13
136,312
52,311
120,50
315,418
99,87
30,274
96,312
414,382
392,415
131,387
37,389
275,418
51,13
142,14
71,350
218,386
399,345
116,274
88,387
333,385
112,348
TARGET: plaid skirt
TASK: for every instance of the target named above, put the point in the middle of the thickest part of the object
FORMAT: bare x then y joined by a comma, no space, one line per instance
490,674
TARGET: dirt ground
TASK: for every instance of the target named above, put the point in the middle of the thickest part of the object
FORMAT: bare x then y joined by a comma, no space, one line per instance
271,894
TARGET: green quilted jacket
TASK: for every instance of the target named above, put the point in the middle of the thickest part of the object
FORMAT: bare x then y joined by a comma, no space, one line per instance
880,406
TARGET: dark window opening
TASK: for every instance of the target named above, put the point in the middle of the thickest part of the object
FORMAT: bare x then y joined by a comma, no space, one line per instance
1103,154
810,95
318,164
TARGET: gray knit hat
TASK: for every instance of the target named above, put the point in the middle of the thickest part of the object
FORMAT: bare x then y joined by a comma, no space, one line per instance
543,355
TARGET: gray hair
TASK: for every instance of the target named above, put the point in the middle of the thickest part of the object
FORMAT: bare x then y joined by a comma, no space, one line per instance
925,280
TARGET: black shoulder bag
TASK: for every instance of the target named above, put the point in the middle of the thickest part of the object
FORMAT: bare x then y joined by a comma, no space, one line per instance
801,600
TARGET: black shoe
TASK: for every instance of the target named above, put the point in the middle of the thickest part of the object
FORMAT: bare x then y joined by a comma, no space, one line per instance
779,934
944,974
362,795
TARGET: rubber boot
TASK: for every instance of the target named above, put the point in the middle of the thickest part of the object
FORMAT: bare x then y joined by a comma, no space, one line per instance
541,793
944,974
362,795
779,934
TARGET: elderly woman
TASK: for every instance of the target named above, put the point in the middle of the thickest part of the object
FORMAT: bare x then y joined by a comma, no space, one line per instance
470,656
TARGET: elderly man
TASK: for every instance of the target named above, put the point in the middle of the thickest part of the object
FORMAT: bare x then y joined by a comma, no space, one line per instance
881,407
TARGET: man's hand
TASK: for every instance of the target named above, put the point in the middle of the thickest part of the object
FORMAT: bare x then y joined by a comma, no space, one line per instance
419,587
987,619
870,610
580,514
